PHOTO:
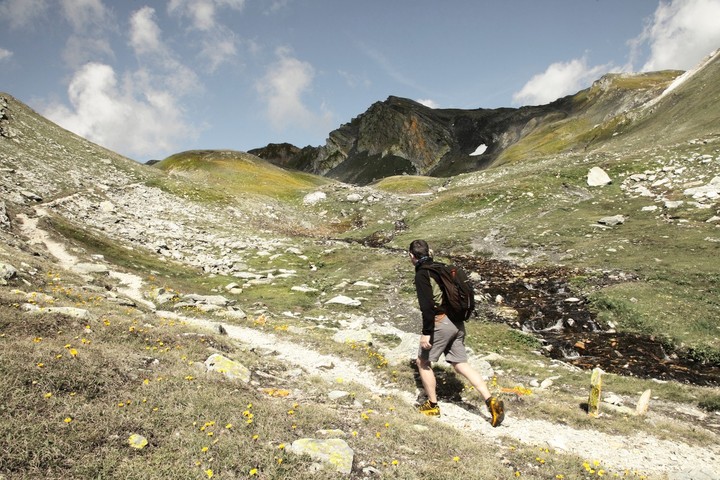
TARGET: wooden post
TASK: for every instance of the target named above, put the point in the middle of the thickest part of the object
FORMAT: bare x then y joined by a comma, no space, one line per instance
643,403
595,389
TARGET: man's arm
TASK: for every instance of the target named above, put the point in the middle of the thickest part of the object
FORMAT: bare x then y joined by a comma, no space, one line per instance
425,300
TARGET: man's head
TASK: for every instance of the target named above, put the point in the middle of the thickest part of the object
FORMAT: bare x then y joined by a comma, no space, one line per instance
419,249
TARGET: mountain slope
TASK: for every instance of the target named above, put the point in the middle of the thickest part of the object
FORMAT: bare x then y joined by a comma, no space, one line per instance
399,136
238,172
34,150
121,283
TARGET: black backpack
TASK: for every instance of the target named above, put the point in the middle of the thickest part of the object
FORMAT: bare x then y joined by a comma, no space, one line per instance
458,294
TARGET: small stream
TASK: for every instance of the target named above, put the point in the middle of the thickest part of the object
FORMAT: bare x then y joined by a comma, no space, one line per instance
549,310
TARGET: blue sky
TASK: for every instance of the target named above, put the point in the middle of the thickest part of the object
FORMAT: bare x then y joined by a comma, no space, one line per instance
151,78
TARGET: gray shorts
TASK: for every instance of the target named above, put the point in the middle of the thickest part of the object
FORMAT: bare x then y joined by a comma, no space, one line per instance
447,338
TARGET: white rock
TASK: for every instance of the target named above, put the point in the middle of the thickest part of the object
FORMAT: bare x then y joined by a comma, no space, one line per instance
343,300
597,177
337,394
314,197
303,289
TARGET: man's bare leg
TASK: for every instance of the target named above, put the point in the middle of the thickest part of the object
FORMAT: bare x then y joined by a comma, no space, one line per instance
467,371
495,406
427,377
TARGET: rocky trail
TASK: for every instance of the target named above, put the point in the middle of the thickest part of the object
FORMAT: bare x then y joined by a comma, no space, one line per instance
639,452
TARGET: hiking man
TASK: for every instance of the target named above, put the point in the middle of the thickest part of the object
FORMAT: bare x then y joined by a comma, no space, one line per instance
440,335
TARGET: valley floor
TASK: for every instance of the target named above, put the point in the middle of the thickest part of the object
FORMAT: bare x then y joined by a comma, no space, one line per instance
639,452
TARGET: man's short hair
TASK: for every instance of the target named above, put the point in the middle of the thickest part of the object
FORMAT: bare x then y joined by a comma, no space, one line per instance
419,248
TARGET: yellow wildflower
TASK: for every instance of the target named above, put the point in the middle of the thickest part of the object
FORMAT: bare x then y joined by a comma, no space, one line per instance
209,473
67,420
253,471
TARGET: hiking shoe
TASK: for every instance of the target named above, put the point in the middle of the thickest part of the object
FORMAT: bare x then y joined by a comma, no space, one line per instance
429,410
497,411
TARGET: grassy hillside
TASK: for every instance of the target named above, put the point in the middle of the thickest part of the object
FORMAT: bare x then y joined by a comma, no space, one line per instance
235,173
590,117
77,387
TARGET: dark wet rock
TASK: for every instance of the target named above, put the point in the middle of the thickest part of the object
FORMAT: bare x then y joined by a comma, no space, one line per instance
541,302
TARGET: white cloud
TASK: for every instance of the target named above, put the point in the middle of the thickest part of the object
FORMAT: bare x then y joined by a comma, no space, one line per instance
218,47
560,79
218,43
5,54
144,32
90,24
277,5
282,88
118,116
681,34
428,103
80,49
161,64
84,15
202,13
21,13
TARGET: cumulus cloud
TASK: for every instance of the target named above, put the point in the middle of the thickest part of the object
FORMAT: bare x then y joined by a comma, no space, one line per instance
560,79
115,114
681,34
428,102
282,89
135,112
144,32
678,36
162,66
5,54
21,13
218,44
